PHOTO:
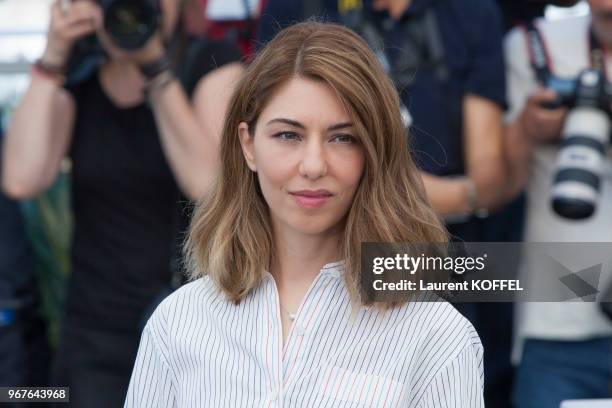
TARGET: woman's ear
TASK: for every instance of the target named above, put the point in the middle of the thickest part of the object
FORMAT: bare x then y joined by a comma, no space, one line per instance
246,141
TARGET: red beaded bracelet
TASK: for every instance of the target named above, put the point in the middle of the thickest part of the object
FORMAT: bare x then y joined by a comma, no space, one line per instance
49,71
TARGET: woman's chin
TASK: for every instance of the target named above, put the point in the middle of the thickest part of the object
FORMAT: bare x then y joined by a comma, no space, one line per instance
313,227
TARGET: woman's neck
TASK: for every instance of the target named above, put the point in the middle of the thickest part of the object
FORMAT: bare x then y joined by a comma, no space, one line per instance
123,83
298,258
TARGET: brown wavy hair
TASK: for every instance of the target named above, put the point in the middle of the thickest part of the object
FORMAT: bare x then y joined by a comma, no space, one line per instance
230,237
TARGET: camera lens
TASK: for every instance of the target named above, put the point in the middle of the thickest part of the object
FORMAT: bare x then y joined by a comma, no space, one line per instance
580,163
131,23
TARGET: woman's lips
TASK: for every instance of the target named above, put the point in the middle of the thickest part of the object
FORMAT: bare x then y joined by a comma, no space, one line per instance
311,199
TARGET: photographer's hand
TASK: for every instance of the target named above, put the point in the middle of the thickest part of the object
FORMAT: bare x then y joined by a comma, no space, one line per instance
540,124
533,126
70,21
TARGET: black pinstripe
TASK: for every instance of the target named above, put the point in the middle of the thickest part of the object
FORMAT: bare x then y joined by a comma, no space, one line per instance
199,350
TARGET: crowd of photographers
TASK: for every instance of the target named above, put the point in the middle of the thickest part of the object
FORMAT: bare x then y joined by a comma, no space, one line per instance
509,117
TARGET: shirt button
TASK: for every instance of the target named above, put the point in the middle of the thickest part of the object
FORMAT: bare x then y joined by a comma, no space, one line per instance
300,330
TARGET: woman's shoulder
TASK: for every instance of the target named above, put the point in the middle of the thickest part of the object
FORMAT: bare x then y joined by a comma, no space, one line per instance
203,286
432,342
439,329
190,298
445,346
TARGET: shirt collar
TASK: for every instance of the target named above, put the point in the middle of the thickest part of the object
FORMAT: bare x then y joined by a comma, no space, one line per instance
335,269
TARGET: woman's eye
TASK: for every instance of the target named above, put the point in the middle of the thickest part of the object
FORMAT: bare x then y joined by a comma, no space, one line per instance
344,139
286,136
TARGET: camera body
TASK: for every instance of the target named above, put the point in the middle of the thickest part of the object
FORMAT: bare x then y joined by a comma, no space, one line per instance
130,23
585,138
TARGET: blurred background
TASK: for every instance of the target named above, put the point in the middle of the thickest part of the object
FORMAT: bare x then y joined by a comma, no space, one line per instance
36,233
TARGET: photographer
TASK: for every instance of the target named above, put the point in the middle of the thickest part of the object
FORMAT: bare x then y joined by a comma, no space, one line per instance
136,142
566,347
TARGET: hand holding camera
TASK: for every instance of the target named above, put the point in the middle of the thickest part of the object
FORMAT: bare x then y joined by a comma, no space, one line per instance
540,123
131,25
585,139
70,21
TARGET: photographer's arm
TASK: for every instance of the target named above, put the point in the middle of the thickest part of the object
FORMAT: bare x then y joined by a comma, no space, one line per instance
190,132
483,146
534,125
485,170
518,149
37,139
485,165
39,134
448,196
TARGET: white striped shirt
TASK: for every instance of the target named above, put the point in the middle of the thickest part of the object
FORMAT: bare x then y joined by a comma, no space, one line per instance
200,350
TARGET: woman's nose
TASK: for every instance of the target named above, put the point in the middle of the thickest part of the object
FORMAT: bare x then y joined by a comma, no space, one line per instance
313,164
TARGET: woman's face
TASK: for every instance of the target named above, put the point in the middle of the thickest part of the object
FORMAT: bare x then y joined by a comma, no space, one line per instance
308,158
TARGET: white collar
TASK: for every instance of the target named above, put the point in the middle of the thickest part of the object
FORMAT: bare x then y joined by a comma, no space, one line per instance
335,269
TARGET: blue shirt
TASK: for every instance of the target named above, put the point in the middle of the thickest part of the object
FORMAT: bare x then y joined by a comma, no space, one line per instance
471,36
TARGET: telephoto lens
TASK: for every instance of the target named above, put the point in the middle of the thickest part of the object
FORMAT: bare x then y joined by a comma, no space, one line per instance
581,160
130,23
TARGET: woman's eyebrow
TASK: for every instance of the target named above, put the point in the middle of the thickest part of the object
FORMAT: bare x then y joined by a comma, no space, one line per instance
287,122
340,126
297,124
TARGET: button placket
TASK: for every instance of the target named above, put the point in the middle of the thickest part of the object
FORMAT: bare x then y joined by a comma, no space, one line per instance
300,330
290,359
296,348
277,344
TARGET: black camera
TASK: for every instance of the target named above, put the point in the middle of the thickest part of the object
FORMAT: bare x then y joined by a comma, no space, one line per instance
586,136
130,23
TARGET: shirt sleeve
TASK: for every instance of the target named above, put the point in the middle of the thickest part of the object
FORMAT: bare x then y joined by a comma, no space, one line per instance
459,384
151,384
486,74
520,77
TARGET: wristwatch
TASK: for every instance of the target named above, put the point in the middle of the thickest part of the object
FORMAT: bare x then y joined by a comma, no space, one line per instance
472,197
472,201
155,67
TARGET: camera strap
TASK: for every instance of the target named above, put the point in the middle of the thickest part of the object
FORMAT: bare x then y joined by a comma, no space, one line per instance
539,55
597,53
